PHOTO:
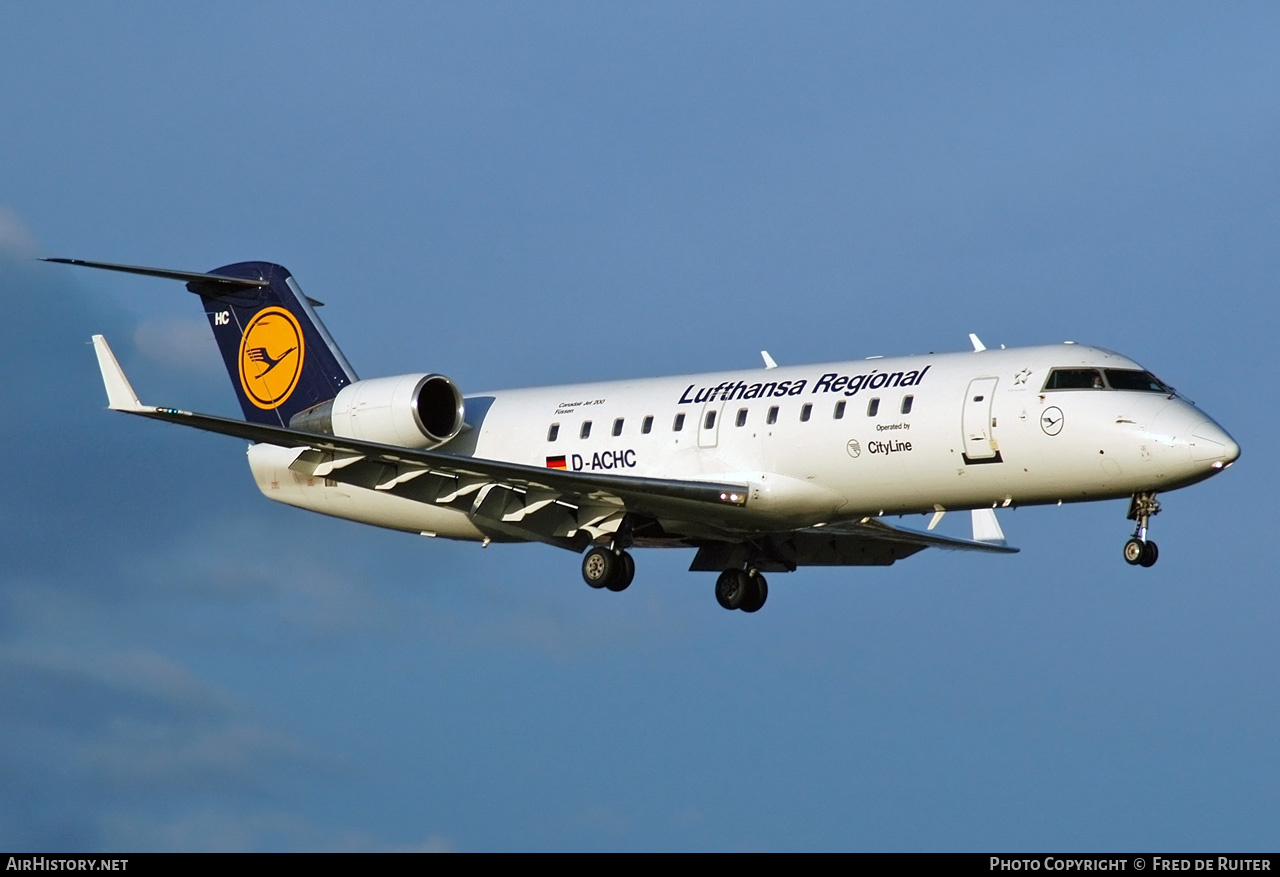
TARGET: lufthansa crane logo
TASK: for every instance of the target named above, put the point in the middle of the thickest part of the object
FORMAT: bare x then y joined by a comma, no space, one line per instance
1051,420
271,357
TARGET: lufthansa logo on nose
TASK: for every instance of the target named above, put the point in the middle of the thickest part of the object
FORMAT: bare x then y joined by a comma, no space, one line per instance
853,448
271,356
1051,420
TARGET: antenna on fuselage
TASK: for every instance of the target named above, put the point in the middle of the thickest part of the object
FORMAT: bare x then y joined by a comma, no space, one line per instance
978,346
768,360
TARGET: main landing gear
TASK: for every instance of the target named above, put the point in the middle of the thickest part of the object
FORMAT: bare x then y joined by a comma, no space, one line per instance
610,568
1140,551
741,589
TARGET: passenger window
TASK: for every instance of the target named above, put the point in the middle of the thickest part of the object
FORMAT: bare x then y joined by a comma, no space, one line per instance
617,426
709,421
838,414
586,429
773,415
872,407
805,410
742,417
554,432
678,423
646,426
906,404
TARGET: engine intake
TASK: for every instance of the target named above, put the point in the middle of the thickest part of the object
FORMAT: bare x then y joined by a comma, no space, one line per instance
412,411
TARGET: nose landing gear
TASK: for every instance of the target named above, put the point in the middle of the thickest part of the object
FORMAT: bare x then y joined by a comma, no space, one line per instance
1140,551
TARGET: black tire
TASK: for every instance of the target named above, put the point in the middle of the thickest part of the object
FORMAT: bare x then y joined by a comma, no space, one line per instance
626,572
1150,553
757,593
1134,550
731,587
600,566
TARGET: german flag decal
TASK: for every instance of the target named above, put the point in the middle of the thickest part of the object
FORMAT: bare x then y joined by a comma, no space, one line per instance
556,463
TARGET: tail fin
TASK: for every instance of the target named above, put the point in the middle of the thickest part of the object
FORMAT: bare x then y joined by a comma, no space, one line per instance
280,357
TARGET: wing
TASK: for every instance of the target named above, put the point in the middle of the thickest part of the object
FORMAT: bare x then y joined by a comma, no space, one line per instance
864,542
569,509
519,501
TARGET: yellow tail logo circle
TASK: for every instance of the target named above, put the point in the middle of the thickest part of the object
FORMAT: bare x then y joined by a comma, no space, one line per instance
271,356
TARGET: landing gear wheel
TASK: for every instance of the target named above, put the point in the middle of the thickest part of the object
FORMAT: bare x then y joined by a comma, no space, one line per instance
1149,554
757,593
1140,550
600,566
731,587
625,573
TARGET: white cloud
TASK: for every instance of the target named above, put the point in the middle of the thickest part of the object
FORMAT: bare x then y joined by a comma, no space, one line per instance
15,238
433,844
208,829
178,343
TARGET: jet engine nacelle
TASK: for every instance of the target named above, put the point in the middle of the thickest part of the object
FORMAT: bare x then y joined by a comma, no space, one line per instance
412,411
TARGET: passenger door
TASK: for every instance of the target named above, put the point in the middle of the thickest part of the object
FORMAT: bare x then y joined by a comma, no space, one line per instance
977,425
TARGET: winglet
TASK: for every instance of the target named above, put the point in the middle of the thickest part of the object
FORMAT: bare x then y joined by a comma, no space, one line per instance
768,360
978,346
986,528
120,396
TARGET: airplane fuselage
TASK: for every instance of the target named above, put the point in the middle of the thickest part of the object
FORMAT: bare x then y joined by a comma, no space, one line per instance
828,442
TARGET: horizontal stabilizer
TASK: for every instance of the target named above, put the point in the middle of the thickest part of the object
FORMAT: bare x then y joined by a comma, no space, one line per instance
229,283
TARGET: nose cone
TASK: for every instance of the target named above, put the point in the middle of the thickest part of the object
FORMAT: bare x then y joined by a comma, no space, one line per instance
1211,444
1190,446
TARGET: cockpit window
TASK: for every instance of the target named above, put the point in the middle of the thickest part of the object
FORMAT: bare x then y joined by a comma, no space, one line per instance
1116,379
1132,379
1074,379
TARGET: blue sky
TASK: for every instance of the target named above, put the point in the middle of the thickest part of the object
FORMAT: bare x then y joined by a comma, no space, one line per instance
525,194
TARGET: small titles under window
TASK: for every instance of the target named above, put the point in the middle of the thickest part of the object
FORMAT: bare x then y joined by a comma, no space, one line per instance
586,429
553,432
873,407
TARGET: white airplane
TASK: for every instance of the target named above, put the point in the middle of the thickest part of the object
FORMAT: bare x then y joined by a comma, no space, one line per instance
760,470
